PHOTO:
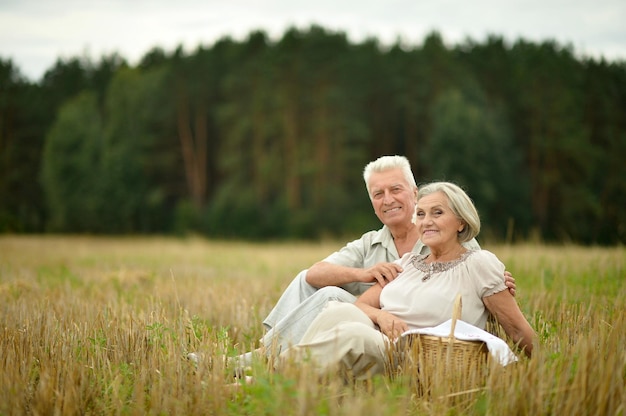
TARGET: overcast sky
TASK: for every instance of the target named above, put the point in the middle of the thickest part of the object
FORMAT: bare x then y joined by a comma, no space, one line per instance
35,33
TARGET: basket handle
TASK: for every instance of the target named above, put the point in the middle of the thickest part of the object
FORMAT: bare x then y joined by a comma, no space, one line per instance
456,314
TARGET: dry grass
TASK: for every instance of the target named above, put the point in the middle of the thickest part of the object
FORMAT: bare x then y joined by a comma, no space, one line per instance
103,325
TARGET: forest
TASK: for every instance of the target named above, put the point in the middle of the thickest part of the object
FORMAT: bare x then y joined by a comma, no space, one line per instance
267,139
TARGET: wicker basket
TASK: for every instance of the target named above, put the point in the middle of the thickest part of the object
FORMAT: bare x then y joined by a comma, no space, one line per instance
444,365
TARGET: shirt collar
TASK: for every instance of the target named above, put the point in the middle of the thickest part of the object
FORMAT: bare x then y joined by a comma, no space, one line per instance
384,238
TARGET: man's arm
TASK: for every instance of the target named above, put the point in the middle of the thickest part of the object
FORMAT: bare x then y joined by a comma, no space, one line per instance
323,274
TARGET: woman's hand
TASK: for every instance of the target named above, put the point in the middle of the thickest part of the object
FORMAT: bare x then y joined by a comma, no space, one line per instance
390,325
369,302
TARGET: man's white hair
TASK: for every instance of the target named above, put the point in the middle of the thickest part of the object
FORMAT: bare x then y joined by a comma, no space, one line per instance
385,163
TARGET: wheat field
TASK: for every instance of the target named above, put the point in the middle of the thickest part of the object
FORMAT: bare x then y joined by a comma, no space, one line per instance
103,325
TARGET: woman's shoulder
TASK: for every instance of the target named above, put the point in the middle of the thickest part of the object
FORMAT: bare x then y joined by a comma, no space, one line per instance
410,257
481,256
413,255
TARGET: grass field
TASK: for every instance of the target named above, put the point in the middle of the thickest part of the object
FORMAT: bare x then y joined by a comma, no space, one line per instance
103,325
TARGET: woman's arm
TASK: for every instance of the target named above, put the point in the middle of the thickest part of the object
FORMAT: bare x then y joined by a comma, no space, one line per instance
508,314
369,302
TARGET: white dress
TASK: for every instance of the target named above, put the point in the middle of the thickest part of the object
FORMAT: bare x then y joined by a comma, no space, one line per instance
343,336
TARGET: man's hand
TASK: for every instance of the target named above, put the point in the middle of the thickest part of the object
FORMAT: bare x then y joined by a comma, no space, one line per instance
390,325
382,273
509,282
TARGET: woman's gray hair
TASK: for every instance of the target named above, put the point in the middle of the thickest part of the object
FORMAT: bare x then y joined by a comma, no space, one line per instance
385,163
460,204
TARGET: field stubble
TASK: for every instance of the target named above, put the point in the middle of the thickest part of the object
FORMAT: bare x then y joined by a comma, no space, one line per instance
103,325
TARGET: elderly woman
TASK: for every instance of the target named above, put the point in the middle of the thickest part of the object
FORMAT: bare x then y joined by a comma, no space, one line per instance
355,336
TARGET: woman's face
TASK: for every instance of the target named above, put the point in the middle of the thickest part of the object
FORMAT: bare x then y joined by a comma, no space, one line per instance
436,222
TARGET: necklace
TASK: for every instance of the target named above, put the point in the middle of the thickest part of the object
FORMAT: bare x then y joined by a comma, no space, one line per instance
419,262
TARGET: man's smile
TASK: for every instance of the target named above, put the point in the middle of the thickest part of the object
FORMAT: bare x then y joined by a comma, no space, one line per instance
392,209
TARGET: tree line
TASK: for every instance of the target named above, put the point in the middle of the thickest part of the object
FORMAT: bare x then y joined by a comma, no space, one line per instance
268,139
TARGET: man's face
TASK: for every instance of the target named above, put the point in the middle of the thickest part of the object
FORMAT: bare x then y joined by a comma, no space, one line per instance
393,198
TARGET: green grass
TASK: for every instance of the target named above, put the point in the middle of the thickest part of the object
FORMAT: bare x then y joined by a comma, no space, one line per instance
103,325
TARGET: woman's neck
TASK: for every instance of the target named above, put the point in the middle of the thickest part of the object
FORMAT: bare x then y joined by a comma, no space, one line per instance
450,253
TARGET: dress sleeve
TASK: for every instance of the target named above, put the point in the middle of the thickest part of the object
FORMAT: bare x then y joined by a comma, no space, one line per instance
489,273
